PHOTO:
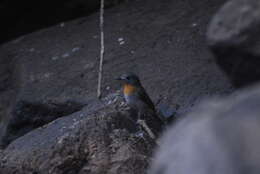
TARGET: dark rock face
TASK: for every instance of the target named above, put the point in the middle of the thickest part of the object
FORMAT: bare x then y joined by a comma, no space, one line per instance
220,136
21,17
89,141
233,35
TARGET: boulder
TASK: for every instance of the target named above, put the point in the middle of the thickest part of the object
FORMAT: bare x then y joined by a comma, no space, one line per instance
98,140
219,136
233,36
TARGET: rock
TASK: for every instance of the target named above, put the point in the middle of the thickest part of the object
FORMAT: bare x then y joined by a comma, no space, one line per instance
233,35
103,140
219,136
169,55
167,113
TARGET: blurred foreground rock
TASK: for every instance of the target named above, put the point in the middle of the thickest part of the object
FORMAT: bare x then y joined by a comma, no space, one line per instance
103,140
219,136
234,37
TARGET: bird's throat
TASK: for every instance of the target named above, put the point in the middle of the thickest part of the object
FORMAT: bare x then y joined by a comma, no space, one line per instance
129,89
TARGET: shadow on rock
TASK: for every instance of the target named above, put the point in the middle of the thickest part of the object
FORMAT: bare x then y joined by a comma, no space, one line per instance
28,116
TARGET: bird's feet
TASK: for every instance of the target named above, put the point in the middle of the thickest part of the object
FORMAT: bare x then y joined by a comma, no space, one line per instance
143,125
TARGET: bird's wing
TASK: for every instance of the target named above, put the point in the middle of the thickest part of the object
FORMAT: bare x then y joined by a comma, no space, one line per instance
144,97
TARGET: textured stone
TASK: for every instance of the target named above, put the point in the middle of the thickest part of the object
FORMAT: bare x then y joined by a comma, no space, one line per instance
101,141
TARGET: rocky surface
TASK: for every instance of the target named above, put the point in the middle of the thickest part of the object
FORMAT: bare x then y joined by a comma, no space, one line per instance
104,139
233,35
50,119
53,72
219,136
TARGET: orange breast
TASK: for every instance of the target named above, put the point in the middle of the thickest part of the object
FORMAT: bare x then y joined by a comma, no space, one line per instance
129,89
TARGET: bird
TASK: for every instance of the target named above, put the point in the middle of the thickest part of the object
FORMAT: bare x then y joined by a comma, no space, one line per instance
138,100
135,95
